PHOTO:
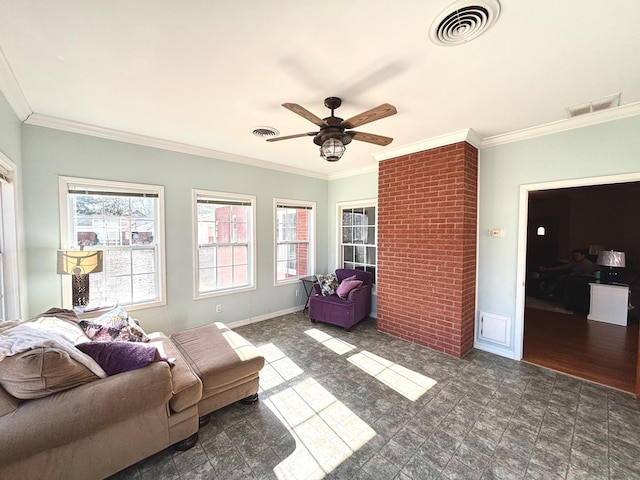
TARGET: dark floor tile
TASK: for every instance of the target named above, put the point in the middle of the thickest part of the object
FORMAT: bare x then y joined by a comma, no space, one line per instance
487,417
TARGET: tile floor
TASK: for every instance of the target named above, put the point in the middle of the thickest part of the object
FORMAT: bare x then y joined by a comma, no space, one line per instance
364,405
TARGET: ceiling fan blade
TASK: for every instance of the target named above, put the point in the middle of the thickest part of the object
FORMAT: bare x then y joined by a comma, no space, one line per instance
371,138
303,112
376,113
277,139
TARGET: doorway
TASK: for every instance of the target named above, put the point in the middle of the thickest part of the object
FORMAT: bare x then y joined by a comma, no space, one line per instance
568,342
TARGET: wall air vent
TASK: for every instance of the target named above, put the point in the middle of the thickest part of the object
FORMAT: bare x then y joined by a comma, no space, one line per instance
605,103
265,132
464,20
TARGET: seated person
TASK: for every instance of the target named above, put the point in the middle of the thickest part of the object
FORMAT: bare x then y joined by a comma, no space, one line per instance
580,265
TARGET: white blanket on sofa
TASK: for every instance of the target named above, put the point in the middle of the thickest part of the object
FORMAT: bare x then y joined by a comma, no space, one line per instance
17,337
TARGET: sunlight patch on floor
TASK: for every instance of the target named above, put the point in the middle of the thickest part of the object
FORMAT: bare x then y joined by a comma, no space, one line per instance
334,344
406,382
278,368
325,430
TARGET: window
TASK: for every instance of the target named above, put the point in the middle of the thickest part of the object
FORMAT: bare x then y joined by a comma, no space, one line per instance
294,239
125,221
358,236
225,239
9,278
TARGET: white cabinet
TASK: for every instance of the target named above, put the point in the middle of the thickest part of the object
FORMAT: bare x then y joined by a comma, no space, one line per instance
609,303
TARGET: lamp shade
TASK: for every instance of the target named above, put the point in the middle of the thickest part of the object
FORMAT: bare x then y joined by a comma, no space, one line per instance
609,258
79,262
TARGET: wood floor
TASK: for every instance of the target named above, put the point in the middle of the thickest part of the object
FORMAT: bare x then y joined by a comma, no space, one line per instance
596,351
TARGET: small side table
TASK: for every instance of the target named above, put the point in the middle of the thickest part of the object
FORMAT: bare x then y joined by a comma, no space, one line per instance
609,303
307,283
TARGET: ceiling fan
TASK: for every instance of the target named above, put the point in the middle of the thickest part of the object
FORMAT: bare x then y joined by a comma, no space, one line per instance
333,134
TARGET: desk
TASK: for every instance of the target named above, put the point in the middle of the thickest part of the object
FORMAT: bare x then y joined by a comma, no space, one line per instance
307,283
609,303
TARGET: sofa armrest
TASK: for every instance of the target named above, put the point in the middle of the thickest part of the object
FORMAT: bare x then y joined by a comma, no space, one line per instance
316,289
41,424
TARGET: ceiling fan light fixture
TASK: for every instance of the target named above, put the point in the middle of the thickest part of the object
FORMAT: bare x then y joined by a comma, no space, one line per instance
332,149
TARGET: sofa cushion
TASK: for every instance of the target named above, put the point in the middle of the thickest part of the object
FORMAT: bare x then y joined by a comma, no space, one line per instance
218,355
118,357
346,286
114,326
328,284
8,403
186,385
42,371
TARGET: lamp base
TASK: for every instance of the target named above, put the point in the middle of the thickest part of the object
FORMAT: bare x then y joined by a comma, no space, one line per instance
610,275
80,292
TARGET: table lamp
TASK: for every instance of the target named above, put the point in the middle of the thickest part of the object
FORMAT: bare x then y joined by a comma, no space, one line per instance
79,264
612,262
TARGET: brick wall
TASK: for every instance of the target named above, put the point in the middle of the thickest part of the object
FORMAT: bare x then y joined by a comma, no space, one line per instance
427,223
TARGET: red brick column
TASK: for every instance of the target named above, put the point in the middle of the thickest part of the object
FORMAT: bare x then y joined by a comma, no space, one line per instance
427,222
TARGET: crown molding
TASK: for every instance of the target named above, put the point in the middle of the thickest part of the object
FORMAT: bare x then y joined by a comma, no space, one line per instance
10,87
580,121
354,172
468,135
39,120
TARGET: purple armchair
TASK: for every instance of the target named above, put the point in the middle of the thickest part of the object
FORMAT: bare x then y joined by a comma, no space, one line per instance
344,312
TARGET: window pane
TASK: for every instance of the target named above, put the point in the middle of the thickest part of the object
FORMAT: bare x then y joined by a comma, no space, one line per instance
225,256
144,288
225,277
358,235
114,219
293,236
347,216
224,242
370,213
207,279
371,255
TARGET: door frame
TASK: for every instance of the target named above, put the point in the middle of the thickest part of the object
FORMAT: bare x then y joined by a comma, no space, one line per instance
523,217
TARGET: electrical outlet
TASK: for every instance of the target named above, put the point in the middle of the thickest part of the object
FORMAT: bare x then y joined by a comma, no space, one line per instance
218,308
297,292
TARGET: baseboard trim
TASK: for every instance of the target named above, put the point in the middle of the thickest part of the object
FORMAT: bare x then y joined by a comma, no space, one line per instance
266,316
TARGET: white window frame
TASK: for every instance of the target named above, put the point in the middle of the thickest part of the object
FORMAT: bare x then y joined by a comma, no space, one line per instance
65,183
339,245
11,308
251,236
311,260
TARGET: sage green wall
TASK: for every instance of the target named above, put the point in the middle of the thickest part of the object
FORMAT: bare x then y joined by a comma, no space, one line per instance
49,153
9,132
611,148
11,148
348,189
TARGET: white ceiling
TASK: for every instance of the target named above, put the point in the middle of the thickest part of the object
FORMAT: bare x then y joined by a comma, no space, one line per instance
204,72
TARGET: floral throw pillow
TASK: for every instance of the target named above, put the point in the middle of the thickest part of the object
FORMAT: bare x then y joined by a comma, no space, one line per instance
114,326
328,284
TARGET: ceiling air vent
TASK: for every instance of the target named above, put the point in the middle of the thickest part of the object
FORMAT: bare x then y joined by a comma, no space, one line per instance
605,103
463,21
265,132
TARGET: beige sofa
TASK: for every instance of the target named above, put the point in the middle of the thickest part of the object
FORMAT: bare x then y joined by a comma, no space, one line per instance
102,425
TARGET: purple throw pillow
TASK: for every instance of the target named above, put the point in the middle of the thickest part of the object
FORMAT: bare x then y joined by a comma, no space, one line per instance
346,286
118,357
